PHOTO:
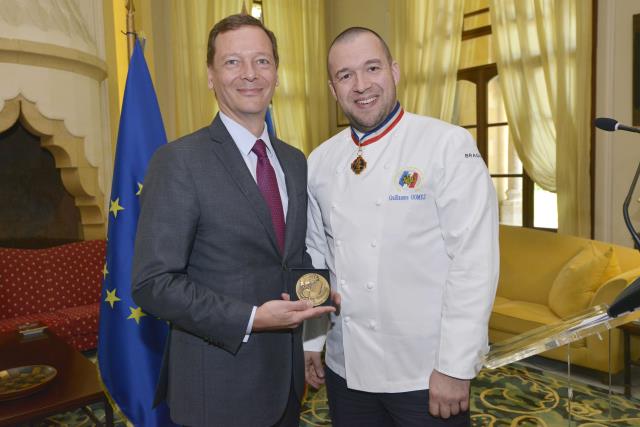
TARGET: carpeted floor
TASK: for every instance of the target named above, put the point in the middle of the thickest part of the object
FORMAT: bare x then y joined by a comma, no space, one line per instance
513,396
517,396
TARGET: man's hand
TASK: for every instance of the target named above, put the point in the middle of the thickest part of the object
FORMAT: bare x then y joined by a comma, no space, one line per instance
313,369
285,314
448,396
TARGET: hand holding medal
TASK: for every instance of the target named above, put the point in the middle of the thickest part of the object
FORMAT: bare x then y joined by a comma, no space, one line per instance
311,285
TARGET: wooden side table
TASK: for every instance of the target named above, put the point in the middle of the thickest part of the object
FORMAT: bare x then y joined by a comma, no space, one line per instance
628,330
75,386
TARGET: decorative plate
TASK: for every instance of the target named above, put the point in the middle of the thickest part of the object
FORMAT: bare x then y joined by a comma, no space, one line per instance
24,380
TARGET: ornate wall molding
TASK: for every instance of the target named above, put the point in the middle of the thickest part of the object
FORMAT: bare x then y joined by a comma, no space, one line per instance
62,17
52,56
79,177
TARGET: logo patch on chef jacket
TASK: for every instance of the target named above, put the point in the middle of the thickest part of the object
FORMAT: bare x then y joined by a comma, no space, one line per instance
409,179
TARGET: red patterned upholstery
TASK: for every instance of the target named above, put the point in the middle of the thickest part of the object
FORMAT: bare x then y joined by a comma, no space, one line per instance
58,286
80,327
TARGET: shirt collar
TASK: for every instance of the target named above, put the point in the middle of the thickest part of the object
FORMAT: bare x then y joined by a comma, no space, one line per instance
244,139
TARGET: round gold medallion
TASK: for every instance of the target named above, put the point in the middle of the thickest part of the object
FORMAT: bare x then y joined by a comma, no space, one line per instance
313,287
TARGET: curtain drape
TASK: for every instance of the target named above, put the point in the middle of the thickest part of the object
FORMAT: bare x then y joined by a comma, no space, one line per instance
427,37
301,102
191,21
543,53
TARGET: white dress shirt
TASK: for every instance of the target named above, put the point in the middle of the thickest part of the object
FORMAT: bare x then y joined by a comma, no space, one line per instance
245,141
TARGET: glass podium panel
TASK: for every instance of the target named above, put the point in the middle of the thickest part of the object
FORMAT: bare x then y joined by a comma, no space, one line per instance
595,320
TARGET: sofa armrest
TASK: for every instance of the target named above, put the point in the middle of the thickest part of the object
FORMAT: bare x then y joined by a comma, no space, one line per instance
610,290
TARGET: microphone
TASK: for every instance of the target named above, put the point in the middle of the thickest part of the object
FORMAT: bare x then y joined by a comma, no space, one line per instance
610,125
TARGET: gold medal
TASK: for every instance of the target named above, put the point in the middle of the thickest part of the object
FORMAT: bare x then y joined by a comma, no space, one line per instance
358,165
313,287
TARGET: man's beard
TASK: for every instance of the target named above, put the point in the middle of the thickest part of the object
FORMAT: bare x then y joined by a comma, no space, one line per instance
366,127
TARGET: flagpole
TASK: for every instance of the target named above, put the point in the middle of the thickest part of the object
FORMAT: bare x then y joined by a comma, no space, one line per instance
131,27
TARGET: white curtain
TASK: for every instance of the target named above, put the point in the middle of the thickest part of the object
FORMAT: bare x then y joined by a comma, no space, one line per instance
543,53
301,102
427,35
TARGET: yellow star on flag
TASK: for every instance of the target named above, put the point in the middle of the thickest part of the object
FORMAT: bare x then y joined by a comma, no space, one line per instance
136,314
111,297
104,271
139,189
115,207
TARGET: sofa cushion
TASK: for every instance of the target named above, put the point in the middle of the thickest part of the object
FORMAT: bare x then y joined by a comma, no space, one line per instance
517,317
79,326
45,280
500,300
581,276
12,324
510,318
80,320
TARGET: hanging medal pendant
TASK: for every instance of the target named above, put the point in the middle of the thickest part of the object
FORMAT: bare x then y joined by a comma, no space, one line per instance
359,164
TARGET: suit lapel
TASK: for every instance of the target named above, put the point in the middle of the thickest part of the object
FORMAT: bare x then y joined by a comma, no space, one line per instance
292,185
231,158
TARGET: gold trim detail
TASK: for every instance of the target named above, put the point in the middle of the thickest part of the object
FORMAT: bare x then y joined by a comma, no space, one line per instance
52,56
79,177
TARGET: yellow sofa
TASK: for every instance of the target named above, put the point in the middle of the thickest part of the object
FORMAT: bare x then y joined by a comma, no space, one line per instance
530,261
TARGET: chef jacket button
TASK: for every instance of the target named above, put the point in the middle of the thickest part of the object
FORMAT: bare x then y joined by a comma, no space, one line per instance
372,324
370,285
333,206
378,202
346,319
338,242
342,281
374,244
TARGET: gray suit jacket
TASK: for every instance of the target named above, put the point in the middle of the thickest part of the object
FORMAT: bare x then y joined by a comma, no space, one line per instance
205,254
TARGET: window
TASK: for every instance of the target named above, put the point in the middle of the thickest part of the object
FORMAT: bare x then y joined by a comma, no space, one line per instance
479,108
256,9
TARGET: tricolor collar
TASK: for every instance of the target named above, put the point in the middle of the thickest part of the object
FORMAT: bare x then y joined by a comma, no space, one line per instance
379,131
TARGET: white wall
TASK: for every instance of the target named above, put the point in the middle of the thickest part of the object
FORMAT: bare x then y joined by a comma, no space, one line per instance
617,154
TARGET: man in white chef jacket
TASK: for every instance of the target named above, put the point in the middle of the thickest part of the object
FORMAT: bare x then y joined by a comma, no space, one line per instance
403,213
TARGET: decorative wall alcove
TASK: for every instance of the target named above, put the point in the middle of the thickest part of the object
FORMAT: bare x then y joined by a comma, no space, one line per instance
79,177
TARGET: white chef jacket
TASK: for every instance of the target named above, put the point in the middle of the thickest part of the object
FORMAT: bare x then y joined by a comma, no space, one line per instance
412,247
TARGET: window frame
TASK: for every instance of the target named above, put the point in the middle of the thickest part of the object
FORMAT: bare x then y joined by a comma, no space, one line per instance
480,76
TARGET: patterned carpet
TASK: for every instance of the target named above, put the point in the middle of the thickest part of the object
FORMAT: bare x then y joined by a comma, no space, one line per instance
512,396
515,396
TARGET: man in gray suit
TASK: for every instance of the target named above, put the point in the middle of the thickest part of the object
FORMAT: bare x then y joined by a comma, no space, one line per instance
222,222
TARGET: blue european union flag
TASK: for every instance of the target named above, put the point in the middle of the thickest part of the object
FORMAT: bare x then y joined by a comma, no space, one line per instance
271,127
130,342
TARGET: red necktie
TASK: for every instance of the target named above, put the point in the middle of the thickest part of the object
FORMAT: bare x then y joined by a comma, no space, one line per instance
268,185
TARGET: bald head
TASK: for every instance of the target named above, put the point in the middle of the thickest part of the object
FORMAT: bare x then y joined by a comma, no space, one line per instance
363,77
351,33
